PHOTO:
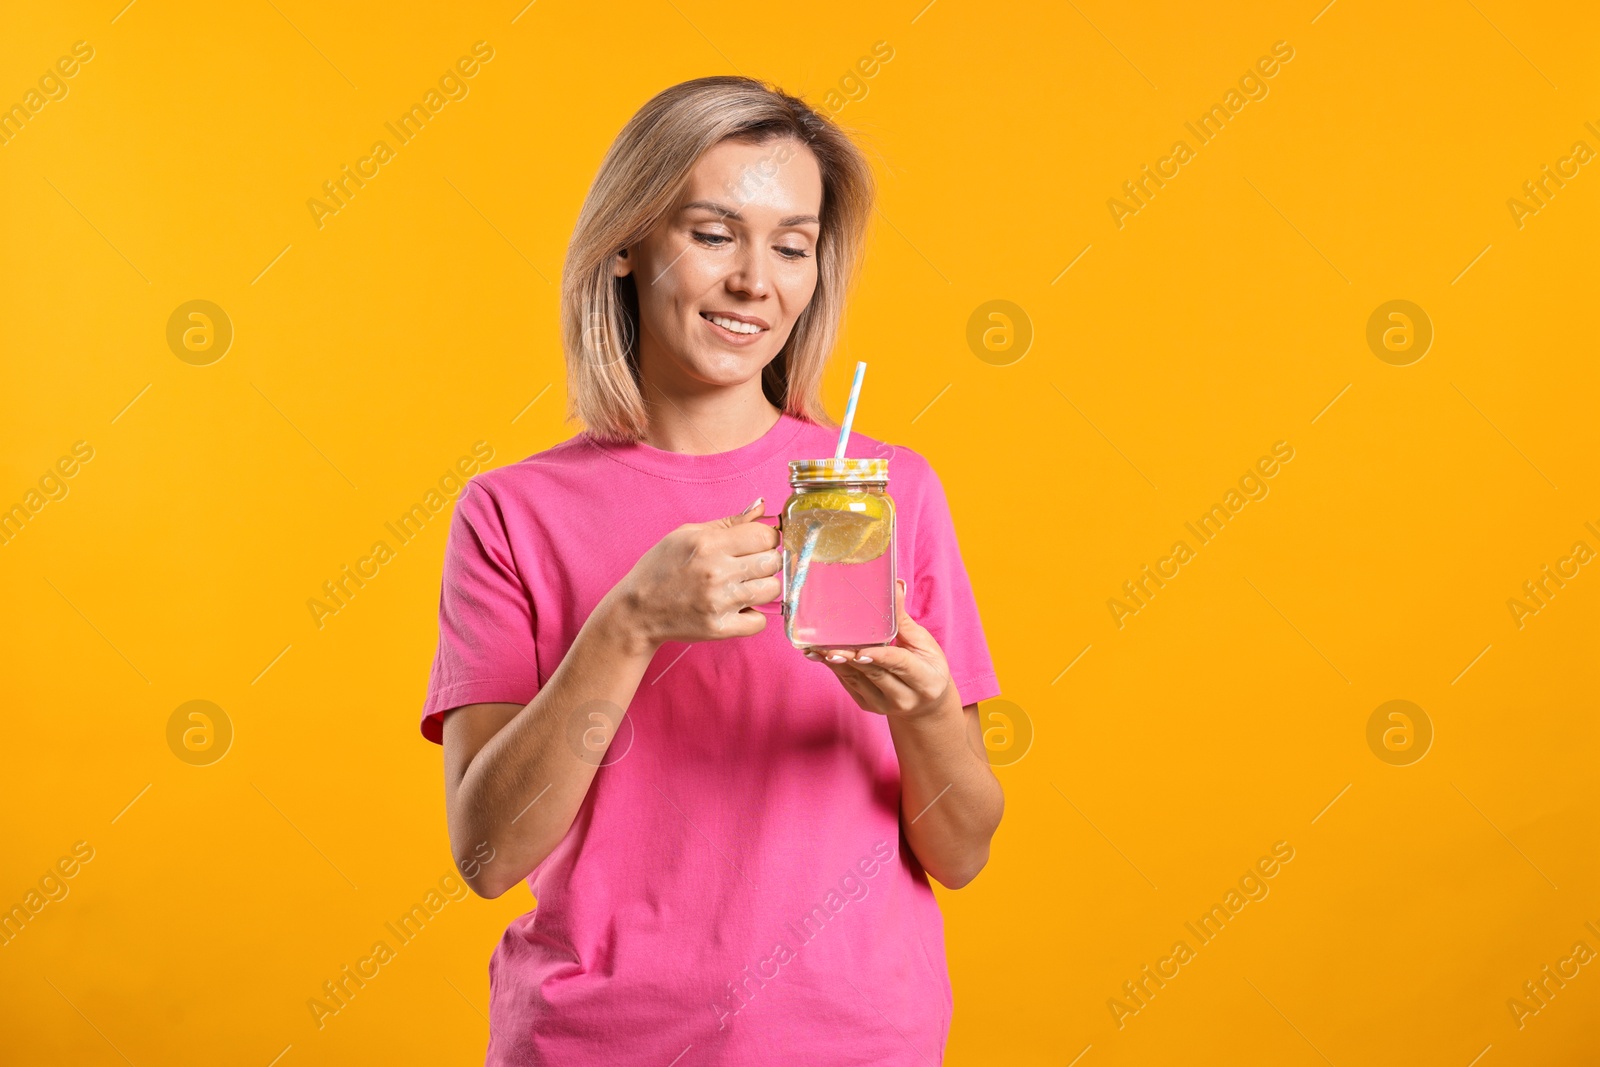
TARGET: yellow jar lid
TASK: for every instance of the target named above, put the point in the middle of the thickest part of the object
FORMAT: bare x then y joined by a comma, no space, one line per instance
831,471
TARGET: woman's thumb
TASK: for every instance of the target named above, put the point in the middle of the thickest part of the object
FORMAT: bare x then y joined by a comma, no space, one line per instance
754,511
904,621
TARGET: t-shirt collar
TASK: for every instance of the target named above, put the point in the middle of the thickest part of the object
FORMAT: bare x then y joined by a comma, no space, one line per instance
712,467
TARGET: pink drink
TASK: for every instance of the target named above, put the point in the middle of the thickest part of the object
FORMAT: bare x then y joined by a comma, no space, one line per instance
839,551
839,605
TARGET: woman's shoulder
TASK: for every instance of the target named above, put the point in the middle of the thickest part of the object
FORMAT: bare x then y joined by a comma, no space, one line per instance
913,482
907,467
560,458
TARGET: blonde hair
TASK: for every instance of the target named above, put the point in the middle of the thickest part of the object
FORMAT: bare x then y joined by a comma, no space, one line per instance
639,182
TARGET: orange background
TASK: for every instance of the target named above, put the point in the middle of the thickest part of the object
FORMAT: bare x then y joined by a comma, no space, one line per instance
1229,313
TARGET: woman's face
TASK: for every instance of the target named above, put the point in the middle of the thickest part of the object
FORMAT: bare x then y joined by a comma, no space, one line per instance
725,275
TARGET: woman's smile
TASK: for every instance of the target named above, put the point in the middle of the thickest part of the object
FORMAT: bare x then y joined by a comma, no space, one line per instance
737,330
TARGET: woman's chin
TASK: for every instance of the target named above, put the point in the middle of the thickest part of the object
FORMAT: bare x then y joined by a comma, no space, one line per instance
727,372
727,365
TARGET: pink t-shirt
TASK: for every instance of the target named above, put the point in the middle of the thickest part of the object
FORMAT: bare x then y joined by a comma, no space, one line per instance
735,888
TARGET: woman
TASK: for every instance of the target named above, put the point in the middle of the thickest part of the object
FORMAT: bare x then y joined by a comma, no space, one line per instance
731,871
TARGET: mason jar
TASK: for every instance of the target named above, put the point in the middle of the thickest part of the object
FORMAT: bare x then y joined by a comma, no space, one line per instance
838,536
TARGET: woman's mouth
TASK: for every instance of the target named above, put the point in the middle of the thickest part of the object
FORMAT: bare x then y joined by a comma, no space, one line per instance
733,330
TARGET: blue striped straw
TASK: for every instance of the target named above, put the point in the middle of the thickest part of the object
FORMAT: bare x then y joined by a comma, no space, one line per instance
850,410
816,528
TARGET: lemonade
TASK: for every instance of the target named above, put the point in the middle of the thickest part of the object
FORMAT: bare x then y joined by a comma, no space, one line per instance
839,554
854,526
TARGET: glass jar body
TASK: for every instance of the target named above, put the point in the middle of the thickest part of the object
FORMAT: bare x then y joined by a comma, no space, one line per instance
839,591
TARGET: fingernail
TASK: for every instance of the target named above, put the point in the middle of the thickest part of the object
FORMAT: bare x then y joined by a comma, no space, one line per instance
835,659
754,503
863,659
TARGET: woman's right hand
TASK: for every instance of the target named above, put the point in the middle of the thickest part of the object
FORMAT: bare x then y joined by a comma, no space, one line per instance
700,581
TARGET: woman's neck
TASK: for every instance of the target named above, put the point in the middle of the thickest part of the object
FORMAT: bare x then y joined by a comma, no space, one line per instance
719,420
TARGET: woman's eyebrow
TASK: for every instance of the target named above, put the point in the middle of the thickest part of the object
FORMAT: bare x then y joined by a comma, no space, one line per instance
728,213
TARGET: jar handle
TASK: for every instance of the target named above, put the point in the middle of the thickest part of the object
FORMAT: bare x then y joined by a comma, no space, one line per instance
783,568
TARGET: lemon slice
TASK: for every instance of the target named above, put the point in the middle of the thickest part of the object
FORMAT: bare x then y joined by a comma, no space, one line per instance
852,527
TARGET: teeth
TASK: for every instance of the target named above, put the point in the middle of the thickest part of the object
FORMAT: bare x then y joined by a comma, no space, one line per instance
734,325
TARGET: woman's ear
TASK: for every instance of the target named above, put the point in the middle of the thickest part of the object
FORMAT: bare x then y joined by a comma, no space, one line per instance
621,264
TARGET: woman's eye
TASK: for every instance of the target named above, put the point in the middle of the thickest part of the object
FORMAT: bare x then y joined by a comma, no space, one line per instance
718,240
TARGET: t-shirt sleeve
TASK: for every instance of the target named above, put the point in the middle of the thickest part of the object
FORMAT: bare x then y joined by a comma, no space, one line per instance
939,596
486,618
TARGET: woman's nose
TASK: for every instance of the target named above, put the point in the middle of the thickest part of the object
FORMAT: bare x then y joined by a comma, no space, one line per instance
750,275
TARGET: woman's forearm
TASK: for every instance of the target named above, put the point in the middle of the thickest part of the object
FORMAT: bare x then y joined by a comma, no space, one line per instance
522,789
950,801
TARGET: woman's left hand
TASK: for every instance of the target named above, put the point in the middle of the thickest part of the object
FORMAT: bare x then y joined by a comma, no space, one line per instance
906,679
